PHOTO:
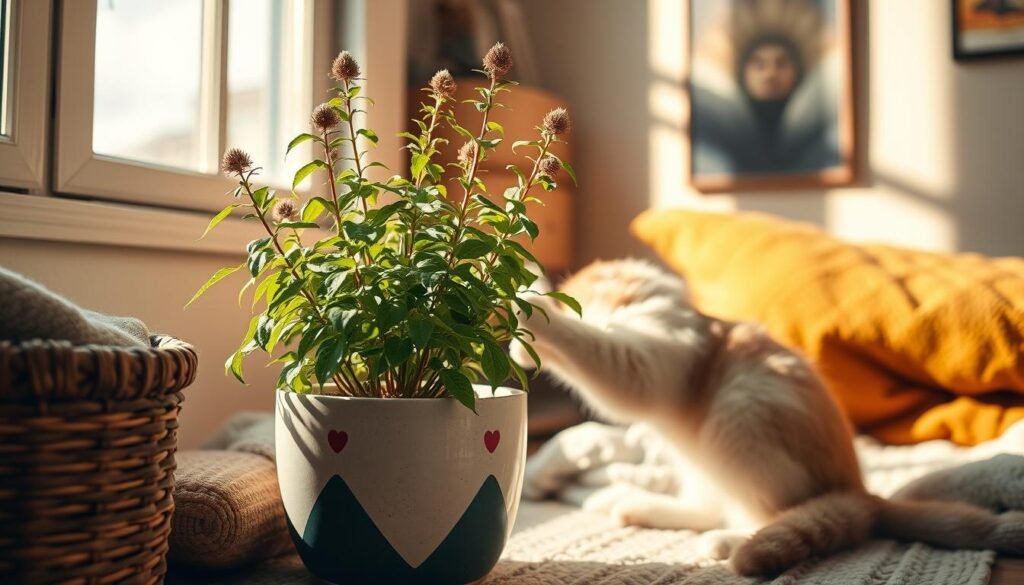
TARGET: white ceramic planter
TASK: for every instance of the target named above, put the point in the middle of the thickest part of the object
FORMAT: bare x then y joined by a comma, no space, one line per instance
400,490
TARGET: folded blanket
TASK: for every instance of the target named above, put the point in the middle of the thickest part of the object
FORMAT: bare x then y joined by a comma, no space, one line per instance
228,509
30,311
915,345
595,466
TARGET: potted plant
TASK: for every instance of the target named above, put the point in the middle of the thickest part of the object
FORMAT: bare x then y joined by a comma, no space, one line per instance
394,467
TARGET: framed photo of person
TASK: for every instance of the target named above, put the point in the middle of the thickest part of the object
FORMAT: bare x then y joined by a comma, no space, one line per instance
771,94
987,28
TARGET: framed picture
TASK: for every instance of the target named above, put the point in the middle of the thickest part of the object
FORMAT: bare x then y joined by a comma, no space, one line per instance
771,94
987,28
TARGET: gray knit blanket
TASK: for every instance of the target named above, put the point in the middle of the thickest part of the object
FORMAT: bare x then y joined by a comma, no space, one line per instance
29,310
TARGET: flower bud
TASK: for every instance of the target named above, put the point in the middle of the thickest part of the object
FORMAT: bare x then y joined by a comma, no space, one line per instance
236,161
286,210
557,122
345,68
498,61
442,84
324,118
467,153
549,166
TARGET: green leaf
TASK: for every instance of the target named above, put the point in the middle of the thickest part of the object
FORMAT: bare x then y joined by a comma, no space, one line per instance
234,366
261,196
390,314
298,225
234,362
569,171
496,127
419,162
530,227
471,249
397,350
420,331
328,356
217,276
519,143
566,300
494,362
459,387
369,135
306,170
361,232
314,208
305,137
489,204
220,217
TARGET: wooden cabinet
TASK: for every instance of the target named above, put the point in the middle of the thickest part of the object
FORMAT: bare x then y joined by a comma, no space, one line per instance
524,109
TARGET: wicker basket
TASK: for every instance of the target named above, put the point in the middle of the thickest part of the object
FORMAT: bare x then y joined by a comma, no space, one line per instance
87,441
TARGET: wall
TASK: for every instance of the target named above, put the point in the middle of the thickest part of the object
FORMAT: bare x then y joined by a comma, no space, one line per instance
941,142
154,286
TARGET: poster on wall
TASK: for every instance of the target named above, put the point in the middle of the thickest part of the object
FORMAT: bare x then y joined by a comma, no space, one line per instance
987,28
771,94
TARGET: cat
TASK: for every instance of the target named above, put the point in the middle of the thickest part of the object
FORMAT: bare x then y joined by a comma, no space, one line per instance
761,435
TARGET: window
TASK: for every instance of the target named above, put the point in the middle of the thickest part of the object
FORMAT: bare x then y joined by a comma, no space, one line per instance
25,47
203,75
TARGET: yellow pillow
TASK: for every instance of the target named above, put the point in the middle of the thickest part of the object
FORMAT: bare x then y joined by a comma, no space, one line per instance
915,345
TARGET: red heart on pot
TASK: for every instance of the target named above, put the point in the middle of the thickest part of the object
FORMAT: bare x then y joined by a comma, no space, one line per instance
337,440
491,440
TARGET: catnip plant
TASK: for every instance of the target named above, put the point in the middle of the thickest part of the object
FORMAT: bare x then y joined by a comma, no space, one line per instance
413,284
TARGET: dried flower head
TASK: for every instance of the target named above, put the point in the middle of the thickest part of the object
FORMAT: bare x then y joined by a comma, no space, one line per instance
325,118
549,166
345,67
236,161
498,61
467,153
443,84
557,122
286,210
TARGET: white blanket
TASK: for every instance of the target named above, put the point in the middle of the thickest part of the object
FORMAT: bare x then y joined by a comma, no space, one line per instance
594,465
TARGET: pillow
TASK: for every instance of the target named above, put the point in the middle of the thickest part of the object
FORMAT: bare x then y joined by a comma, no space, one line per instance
915,345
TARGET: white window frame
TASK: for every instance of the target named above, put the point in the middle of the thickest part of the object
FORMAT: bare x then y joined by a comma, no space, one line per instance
23,150
80,171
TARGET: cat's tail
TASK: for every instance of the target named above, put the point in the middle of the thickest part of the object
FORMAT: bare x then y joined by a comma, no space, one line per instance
835,521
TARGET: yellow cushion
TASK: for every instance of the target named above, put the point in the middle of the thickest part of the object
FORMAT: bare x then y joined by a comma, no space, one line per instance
915,345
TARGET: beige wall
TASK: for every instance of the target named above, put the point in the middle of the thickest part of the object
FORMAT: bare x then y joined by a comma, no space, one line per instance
154,286
942,142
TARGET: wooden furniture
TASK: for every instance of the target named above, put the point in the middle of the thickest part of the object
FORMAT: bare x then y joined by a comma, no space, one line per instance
524,108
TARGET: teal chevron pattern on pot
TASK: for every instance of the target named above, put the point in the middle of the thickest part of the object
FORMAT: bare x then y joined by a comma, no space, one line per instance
342,544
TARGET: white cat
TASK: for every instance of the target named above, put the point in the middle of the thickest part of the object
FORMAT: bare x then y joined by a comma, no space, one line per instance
751,417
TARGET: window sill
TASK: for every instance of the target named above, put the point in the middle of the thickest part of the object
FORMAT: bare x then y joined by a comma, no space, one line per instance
55,219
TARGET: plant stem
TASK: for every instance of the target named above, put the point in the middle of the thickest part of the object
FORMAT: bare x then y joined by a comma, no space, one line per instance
355,147
457,232
261,214
523,192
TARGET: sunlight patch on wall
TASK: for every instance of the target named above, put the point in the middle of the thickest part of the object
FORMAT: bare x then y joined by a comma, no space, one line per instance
863,215
666,50
667,175
913,103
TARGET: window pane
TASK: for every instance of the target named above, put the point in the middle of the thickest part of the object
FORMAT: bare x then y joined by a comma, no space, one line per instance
5,66
148,72
269,48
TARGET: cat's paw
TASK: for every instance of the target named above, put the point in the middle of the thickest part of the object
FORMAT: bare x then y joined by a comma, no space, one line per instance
628,514
718,545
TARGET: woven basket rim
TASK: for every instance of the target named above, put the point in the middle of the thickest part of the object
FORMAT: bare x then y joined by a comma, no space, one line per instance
51,370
